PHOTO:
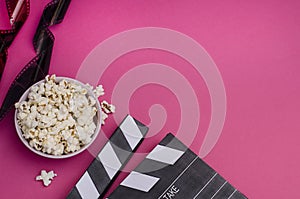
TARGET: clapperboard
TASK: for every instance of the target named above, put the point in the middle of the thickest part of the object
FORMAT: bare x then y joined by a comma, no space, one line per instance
111,159
172,171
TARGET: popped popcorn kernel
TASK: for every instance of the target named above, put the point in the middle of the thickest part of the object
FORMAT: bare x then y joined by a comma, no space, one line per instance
99,91
108,108
46,177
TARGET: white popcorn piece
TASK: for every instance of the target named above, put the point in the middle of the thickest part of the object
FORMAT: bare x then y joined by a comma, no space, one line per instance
99,91
58,149
17,105
47,78
62,113
46,177
83,135
21,116
107,108
34,89
90,128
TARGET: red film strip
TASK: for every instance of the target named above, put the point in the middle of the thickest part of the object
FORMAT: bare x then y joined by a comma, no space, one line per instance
18,11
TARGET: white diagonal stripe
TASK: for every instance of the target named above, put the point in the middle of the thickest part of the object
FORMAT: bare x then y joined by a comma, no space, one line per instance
232,194
219,190
139,181
131,131
165,154
86,187
205,185
110,160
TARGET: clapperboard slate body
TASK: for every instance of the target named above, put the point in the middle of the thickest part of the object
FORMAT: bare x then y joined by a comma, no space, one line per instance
172,171
110,160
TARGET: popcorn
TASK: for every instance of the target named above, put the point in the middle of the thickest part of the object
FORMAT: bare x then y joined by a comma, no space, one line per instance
108,108
99,91
46,177
59,117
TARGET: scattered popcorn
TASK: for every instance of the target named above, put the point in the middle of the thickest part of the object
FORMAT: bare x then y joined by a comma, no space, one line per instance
99,91
107,108
59,117
46,177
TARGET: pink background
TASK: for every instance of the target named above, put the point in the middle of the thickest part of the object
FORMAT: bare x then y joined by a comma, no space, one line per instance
256,47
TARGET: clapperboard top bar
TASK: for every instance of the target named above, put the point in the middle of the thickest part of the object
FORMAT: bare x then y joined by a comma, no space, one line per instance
172,171
110,160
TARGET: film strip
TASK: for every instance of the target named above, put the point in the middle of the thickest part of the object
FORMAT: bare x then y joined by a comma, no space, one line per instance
111,159
171,171
18,11
38,67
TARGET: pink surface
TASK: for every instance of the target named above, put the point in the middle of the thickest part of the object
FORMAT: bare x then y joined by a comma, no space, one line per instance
256,48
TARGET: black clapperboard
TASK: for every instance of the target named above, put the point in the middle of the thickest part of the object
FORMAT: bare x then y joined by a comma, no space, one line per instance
110,160
172,171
